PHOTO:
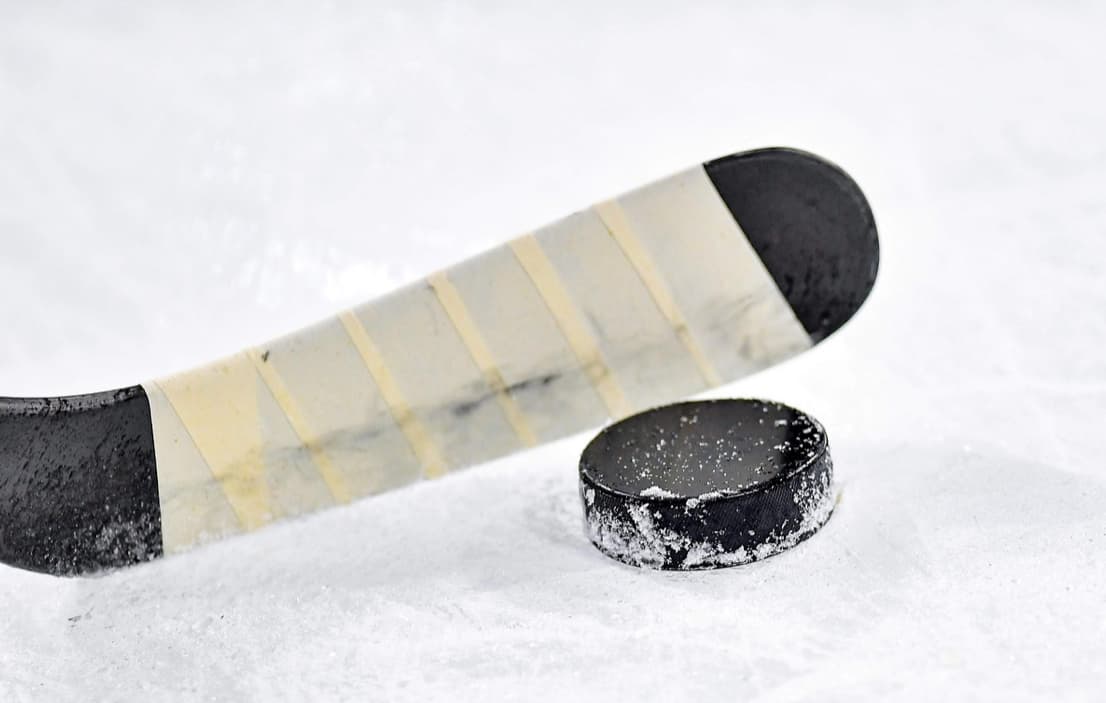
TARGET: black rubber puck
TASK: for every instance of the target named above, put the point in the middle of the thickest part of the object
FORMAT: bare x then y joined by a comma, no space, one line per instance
703,485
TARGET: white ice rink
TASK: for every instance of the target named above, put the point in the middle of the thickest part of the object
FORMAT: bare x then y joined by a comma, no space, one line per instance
178,183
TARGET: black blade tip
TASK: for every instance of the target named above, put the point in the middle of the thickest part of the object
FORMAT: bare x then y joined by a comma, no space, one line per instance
811,226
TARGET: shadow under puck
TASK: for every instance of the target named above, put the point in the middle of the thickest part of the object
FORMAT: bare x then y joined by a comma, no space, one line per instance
706,484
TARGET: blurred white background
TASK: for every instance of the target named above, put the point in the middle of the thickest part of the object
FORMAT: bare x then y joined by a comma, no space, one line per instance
178,182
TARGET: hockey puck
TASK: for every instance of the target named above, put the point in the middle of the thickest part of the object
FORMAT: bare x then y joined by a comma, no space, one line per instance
708,484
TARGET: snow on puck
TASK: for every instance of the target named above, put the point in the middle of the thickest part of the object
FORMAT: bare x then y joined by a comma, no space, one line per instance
706,484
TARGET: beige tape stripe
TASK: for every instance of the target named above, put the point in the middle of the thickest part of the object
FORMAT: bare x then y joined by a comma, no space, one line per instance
433,464
614,219
458,312
330,474
249,507
552,290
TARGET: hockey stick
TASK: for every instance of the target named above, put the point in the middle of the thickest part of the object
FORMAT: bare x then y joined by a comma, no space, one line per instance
695,280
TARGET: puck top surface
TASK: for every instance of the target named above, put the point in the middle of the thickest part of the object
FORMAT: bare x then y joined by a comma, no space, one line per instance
694,449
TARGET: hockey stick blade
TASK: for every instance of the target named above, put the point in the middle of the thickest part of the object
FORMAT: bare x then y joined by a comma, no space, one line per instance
682,285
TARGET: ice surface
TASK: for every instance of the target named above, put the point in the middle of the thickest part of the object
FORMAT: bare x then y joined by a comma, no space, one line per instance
178,183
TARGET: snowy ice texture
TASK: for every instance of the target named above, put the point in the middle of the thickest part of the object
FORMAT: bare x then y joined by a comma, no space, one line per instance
179,182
